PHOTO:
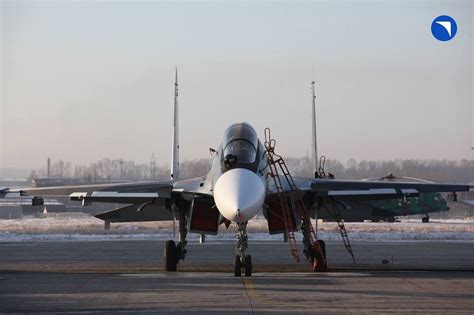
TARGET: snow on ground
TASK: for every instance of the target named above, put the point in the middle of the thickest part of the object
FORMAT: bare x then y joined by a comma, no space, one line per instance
70,229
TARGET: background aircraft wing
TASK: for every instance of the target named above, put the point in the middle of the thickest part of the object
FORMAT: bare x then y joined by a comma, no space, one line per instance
468,202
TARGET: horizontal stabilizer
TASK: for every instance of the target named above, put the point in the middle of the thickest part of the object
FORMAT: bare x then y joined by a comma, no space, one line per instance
132,214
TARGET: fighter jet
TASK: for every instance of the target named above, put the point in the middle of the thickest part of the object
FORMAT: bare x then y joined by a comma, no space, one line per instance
241,183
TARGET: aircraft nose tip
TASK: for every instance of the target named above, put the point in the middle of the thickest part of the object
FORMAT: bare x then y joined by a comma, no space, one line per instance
239,194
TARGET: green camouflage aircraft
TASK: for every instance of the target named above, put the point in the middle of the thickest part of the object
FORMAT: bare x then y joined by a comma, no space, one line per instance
389,209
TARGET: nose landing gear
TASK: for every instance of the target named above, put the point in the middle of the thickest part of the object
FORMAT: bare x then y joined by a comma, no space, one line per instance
241,260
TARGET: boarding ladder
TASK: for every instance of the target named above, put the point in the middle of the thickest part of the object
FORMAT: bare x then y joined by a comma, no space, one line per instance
342,230
276,164
336,215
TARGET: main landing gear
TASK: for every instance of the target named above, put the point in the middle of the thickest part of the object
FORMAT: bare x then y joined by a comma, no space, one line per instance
242,261
174,253
318,257
171,256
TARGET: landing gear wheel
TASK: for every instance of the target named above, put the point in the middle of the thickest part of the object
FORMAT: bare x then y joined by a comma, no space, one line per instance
322,244
171,256
237,266
248,266
320,263
425,219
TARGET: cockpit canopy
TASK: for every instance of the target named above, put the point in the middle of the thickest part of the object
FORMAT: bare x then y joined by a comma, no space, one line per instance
240,144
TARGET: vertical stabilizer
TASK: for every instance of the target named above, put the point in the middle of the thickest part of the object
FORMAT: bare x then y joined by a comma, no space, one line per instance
175,141
314,143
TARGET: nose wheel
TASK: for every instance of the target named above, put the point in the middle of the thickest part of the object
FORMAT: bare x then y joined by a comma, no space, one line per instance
248,266
238,266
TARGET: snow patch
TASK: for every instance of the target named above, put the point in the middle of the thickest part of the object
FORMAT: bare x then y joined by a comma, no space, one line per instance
92,229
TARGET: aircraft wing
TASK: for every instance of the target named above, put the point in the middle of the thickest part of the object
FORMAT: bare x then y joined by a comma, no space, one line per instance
356,190
129,192
146,201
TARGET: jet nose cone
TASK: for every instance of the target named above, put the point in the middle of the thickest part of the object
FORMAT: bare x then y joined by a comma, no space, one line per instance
239,194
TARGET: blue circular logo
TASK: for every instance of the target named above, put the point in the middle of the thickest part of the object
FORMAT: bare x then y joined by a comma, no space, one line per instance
444,28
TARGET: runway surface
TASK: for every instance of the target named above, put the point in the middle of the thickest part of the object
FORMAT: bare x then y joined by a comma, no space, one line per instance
127,276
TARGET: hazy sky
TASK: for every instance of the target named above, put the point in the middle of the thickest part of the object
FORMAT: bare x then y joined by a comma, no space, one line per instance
85,80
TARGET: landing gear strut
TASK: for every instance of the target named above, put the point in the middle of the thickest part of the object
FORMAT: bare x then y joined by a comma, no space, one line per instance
241,260
174,253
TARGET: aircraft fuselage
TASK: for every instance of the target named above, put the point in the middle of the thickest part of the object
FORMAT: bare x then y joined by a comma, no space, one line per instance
239,174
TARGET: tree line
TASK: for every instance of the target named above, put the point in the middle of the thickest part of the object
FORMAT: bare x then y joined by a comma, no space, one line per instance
118,169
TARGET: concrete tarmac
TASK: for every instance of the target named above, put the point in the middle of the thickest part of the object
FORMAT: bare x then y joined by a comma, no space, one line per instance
128,277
